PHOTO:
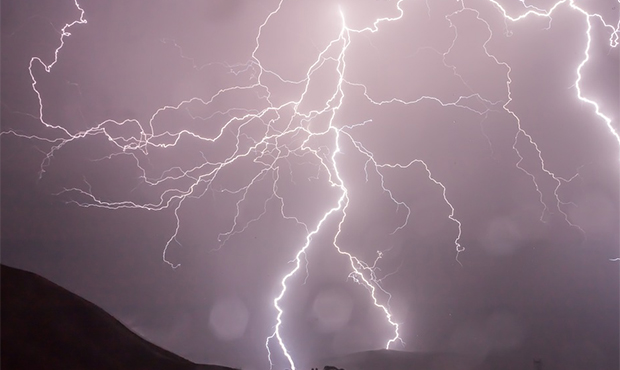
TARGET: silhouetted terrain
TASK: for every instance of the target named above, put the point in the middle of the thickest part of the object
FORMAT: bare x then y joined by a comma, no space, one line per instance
44,326
401,360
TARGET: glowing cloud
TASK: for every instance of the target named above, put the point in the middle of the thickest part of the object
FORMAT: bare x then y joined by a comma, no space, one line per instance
270,135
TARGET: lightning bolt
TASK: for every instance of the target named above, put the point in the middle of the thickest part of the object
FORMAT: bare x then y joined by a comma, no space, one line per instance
276,134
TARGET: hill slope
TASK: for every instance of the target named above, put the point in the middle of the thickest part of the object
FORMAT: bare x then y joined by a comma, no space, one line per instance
403,360
44,326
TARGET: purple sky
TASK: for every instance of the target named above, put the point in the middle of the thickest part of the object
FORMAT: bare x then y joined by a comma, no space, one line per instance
399,128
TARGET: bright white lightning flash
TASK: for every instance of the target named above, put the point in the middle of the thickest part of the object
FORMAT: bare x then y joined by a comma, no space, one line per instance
276,144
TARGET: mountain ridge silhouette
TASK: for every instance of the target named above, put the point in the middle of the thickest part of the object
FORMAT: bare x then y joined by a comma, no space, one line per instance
45,326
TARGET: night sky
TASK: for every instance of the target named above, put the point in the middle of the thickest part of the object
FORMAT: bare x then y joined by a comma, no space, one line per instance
177,156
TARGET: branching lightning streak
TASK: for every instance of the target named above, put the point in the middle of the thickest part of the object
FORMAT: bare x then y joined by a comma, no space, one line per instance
277,145
613,42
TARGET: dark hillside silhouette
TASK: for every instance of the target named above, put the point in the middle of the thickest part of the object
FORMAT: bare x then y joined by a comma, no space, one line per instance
44,326
400,360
